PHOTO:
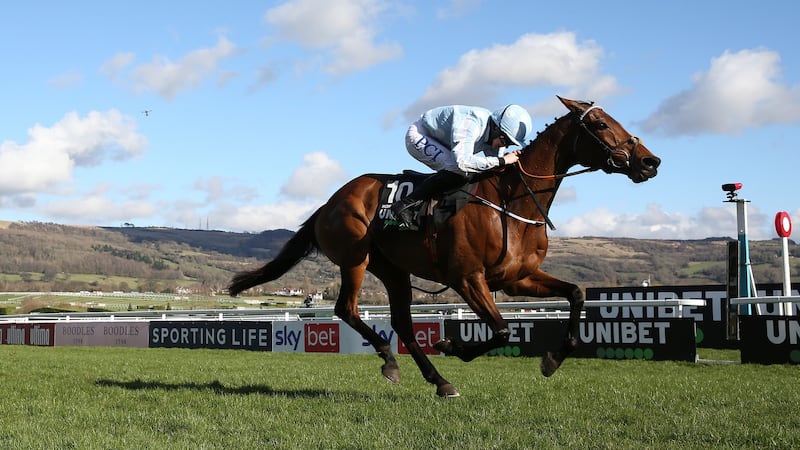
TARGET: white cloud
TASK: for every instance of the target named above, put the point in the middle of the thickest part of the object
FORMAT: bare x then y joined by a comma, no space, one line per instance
217,189
31,168
90,140
116,64
566,194
265,75
227,205
456,8
534,60
140,191
66,80
256,218
224,78
740,90
167,78
98,208
51,153
344,29
315,179
655,223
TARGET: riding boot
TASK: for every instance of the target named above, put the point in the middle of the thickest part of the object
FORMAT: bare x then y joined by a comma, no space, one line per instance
441,181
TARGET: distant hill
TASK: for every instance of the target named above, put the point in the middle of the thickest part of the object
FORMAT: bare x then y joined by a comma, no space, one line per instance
50,257
261,245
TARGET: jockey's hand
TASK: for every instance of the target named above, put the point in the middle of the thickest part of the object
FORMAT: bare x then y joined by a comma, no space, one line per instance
511,157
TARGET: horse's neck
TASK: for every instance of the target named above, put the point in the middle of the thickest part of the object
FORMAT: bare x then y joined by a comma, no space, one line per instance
551,150
548,155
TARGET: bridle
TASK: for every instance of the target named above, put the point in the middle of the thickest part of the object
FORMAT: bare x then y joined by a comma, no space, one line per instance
610,152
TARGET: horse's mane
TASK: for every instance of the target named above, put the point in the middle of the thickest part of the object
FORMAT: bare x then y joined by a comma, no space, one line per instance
549,127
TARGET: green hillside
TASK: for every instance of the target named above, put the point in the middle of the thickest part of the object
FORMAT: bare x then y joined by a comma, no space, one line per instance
46,257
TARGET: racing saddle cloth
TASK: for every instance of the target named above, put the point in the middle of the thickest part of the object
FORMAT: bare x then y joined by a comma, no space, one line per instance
433,212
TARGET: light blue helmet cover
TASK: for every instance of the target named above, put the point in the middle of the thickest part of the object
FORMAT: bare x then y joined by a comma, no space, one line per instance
514,121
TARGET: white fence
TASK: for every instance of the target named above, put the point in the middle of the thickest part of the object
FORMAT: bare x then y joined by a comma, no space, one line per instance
510,310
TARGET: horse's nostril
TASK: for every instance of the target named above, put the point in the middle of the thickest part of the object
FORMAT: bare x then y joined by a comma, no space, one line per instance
652,161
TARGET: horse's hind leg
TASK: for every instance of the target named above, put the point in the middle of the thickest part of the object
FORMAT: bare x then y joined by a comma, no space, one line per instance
402,324
398,286
341,230
347,309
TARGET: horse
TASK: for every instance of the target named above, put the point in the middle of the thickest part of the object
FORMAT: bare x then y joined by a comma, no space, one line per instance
496,242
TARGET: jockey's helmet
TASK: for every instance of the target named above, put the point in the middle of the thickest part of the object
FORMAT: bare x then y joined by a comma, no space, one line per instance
514,121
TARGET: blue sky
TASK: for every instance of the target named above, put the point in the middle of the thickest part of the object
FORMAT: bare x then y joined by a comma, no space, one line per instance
258,111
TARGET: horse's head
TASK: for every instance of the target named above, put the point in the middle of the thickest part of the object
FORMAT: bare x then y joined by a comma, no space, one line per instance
600,142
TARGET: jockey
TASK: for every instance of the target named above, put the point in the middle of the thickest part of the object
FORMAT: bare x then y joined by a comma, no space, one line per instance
450,140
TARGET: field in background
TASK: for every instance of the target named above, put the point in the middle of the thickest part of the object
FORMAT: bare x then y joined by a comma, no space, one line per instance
26,302
101,397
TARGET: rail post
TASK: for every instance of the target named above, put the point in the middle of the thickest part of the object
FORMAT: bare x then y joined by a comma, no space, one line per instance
745,270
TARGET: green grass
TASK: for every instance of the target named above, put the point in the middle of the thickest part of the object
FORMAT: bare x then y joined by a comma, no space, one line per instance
72,397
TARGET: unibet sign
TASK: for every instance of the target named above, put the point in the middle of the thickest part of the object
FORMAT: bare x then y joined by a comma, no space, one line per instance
661,339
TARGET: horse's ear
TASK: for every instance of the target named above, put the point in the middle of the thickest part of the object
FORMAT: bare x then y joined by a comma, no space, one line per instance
572,105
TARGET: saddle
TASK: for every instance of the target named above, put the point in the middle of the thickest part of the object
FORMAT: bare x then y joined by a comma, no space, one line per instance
431,213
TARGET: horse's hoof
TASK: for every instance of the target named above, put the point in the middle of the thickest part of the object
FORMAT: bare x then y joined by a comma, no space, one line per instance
445,346
447,391
549,364
391,373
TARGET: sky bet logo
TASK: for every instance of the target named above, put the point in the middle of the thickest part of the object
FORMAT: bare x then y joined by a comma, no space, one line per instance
308,337
322,337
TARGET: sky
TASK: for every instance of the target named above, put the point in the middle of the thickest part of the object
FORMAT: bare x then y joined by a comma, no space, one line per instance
245,116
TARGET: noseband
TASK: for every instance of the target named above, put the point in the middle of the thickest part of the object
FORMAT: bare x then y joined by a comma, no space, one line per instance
610,152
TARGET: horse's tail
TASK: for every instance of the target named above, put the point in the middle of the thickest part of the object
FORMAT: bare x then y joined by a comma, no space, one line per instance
298,247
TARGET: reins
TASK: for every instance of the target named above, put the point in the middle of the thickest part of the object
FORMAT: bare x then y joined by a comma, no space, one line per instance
557,176
536,200
504,210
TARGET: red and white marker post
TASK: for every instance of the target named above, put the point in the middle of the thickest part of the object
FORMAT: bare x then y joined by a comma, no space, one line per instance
783,226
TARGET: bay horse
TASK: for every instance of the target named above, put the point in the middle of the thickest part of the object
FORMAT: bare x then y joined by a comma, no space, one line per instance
494,243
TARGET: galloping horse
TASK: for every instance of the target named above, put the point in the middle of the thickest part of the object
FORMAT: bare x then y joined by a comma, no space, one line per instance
496,242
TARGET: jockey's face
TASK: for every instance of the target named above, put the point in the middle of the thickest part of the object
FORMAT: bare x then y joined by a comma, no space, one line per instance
498,138
497,143
501,140
504,140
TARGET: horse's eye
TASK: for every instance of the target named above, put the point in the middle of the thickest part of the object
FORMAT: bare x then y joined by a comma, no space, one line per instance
600,126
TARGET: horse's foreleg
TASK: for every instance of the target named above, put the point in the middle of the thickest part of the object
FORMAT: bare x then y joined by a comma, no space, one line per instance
551,361
468,352
347,309
541,284
477,294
